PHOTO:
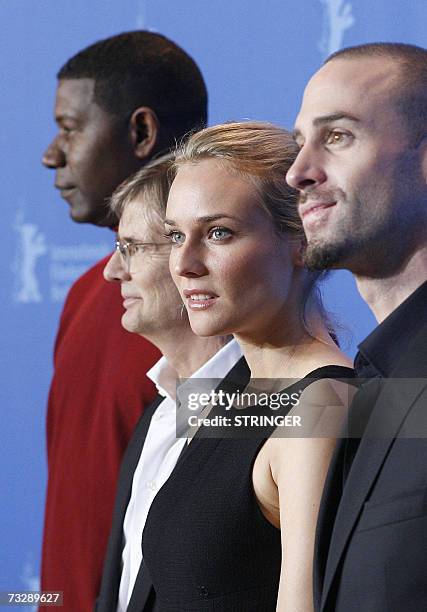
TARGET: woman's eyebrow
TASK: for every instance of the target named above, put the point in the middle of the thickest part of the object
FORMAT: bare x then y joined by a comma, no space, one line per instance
204,219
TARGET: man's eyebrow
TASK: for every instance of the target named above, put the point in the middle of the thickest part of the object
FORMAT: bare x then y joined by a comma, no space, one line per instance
325,119
129,239
334,117
64,117
202,220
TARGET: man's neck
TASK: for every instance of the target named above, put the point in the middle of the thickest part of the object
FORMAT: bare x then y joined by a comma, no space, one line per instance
186,353
383,295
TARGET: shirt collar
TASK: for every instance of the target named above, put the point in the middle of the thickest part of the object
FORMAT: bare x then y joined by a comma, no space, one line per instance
165,377
221,363
380,351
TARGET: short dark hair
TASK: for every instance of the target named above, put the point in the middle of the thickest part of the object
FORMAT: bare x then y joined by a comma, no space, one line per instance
143,68
411,90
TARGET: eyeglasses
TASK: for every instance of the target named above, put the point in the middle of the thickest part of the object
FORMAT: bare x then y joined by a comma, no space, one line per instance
128,249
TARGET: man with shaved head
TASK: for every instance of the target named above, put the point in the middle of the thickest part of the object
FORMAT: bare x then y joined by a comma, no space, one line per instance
362,177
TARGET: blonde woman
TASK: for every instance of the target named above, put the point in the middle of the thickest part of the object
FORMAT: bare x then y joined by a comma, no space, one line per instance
233,528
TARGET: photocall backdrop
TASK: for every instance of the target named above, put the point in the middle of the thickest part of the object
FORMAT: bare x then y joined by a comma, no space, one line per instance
256,58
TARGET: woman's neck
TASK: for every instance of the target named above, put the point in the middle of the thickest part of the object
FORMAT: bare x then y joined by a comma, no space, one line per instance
292,349
267,361
186,352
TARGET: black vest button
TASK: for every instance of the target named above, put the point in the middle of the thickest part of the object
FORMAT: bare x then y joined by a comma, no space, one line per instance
203,591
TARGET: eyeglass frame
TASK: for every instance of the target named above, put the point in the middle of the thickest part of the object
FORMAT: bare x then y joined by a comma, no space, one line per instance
122,248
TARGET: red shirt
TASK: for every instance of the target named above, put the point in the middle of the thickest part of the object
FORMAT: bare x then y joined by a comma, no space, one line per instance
98,392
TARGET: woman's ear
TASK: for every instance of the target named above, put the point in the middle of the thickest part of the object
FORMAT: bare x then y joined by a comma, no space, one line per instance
144,131
298,247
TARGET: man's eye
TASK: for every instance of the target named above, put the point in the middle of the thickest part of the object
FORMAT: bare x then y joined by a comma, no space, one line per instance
132,249
335,137
65,130
219,233
175,237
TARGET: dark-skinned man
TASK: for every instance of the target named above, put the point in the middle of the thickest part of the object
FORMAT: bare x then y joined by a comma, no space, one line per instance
119,103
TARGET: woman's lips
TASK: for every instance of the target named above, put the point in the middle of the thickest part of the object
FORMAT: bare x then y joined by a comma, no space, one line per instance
199,300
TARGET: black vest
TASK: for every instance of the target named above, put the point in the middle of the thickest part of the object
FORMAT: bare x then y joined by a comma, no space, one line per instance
206,544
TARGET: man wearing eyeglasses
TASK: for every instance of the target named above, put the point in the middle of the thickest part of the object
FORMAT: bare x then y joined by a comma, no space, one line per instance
154,310
119,103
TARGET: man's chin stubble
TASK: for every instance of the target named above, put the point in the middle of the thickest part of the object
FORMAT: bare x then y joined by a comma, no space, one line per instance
323,256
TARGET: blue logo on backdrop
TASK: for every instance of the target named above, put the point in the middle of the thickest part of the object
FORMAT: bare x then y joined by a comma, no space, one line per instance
65,263
30,580
141,17
338,17
31,245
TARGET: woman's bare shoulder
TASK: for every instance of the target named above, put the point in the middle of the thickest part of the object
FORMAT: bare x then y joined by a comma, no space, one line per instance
322,354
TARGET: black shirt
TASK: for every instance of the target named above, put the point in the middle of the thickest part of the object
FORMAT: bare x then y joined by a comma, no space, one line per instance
380,352
378,356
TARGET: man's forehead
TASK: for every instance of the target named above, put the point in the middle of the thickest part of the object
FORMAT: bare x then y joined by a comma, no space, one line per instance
74,95
139,222
341,87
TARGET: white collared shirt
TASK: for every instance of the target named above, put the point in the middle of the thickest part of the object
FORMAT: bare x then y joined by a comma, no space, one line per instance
158,458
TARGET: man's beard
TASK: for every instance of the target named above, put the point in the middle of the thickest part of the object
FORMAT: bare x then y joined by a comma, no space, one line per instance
322,256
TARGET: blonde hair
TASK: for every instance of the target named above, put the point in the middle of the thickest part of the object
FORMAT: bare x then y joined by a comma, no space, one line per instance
260,152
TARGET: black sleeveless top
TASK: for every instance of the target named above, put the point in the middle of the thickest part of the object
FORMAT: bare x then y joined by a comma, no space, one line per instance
206,543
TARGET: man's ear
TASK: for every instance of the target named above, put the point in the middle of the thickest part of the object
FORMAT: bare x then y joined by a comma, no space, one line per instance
144,131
